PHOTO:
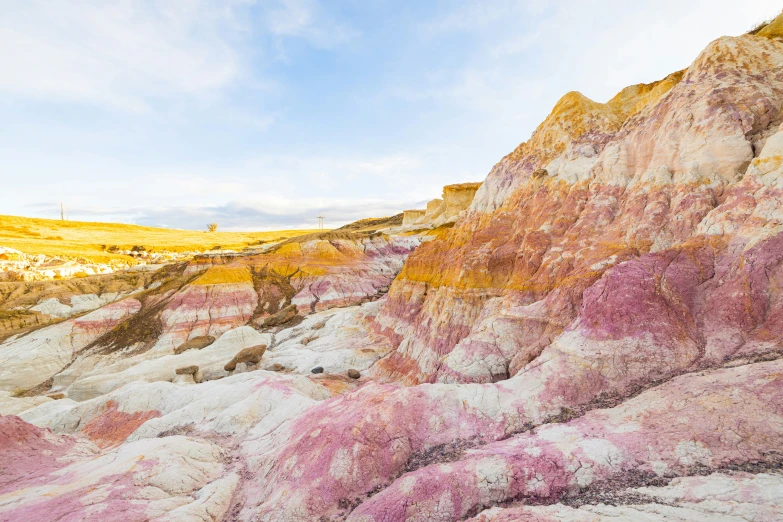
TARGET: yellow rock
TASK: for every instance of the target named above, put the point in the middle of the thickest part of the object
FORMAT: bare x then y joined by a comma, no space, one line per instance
221,275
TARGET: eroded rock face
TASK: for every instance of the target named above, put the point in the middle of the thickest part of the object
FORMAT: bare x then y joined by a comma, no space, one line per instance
34,358
668,431
598,337
411,217
137,481
736,497
456,199
625,179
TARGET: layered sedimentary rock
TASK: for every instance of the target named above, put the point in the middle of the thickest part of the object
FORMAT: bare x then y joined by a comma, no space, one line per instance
65,478
32,359
411,217
731,498
336,269
672,430
659,170
598,337
456,199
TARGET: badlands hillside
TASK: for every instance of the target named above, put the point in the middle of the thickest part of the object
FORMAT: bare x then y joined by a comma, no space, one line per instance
594,333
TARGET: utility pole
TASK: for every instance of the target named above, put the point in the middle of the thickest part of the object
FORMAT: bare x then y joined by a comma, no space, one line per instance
320,221
63,212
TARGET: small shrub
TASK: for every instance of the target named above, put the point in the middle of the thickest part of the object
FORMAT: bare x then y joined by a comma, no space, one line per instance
113,248
212,227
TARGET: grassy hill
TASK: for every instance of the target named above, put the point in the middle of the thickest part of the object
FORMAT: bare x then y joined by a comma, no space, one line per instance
95,241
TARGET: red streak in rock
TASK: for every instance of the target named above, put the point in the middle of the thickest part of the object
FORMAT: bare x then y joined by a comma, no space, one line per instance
113,426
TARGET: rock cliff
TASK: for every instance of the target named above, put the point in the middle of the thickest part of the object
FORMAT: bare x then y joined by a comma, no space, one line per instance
456,199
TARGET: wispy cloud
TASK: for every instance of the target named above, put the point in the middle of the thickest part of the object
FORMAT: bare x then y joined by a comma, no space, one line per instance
130,54
123,53
306,19
259,193
526,51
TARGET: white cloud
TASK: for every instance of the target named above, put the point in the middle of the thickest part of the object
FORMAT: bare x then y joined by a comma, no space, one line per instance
524,55
257,213
597,47
121,53
128,54
261,192
305,19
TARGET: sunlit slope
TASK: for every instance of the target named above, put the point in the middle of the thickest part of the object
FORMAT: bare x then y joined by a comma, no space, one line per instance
96,240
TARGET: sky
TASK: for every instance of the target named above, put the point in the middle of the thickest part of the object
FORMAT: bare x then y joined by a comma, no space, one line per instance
261,114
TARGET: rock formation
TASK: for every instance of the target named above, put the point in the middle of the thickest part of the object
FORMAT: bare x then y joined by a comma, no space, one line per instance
456,199
248,356
599,336
196,343
411,217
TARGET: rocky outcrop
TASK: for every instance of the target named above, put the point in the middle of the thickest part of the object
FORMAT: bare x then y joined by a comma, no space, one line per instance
456,199
144,367
190,477
411,217
32,359
433,206
18,266
625,179
669,431
734,497
336,269
283,316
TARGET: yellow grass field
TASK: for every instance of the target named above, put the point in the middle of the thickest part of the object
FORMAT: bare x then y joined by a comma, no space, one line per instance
91,241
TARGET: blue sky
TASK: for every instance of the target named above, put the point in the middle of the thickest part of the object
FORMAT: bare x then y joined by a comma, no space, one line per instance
261,114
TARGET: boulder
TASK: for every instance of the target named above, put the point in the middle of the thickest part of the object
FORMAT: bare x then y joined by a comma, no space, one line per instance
197,343
251,355
188,375
276,367
317,369
354,374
